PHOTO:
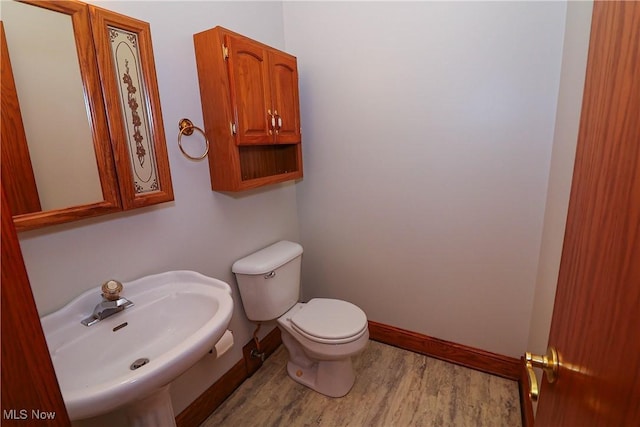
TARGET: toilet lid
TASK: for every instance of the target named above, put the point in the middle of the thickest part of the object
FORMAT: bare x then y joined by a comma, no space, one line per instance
323,320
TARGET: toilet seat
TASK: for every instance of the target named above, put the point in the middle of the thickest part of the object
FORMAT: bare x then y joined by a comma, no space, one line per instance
330,321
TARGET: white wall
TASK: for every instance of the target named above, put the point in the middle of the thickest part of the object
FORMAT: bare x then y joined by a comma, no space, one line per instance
574,62
428,129
202,230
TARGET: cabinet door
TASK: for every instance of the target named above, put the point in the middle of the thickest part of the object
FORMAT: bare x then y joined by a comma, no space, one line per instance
128,73
284,92
250,92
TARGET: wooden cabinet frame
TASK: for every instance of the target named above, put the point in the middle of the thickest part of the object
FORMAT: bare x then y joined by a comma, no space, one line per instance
136,120
124,116
14,143
250,105
263,88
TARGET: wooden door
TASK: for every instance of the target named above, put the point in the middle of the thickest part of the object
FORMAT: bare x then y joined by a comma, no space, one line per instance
249,87
30,391
596,318
284,92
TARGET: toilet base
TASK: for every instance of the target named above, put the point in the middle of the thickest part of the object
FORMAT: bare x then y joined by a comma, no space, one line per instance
333,378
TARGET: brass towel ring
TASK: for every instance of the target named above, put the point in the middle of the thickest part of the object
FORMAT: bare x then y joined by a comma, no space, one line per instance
187,128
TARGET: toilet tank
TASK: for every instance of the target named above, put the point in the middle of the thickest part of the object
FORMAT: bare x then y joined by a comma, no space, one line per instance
269,280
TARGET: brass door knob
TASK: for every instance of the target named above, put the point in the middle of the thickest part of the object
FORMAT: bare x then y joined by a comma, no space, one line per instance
549,364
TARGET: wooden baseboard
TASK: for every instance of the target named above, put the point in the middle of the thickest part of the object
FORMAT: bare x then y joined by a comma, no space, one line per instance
200,409
525,401
481,360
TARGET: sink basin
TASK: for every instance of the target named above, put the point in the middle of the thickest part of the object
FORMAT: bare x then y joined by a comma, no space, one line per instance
176,319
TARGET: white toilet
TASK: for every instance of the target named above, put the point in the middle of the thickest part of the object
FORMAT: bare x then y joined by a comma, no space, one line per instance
320,335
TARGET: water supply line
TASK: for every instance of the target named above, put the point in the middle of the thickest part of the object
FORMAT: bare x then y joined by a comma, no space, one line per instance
256,353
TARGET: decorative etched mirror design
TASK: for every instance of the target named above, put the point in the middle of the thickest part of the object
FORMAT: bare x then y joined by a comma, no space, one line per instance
82,131
127,70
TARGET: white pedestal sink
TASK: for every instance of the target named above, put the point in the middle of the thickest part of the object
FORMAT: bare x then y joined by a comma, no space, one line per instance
130,357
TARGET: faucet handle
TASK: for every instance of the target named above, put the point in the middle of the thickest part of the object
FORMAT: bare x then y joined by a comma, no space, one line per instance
111,290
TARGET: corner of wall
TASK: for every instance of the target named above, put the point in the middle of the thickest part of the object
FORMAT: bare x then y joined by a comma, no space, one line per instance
574,60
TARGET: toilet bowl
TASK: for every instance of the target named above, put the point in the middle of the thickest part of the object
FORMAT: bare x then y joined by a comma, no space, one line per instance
321,335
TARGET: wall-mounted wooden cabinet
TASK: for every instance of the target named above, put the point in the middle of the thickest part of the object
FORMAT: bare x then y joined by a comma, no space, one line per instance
249,95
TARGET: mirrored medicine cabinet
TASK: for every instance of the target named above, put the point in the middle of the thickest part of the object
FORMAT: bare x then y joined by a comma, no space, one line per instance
82,132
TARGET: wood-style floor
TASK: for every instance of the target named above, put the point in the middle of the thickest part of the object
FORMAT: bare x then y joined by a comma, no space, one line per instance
393,387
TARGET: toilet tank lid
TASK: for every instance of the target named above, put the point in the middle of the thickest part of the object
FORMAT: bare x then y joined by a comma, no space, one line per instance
267,259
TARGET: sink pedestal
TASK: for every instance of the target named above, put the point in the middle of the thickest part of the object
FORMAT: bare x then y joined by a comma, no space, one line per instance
152,411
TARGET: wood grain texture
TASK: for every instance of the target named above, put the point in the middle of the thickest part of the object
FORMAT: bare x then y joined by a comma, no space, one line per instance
60,216
109,137
215,395
208,401
263,86
393,387
285,97
478,360
79,14
240,90
17,171
595,325
100,19
249,89
470,357
224,160
28,379
264,161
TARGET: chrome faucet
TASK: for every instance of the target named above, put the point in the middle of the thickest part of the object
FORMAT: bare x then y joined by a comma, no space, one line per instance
111,303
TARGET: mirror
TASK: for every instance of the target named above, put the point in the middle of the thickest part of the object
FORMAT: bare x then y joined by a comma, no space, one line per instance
53,117
81,134
65,171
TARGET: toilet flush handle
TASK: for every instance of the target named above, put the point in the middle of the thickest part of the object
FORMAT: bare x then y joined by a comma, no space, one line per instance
270,275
